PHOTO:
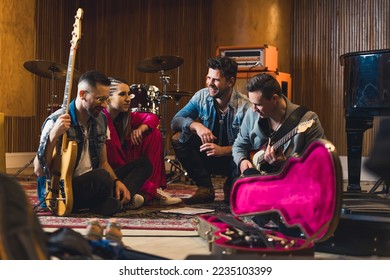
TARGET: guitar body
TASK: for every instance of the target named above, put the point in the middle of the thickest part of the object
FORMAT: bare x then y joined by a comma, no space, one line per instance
60,190
257,158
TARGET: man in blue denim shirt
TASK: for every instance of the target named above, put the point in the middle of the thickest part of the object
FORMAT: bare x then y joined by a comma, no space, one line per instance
204,147
95,185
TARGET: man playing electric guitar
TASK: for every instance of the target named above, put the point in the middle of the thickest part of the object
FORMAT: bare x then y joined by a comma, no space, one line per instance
272,118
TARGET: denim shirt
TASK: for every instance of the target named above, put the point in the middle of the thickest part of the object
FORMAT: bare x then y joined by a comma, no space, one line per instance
97,136
201,106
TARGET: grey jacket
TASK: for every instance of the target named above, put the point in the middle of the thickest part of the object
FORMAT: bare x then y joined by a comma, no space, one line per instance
252,138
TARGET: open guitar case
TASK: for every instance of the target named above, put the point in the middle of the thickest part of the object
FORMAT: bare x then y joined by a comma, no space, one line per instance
306,194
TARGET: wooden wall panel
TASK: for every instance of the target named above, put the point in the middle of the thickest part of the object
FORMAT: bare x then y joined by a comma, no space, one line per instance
323,30
117,36
254,22
16,46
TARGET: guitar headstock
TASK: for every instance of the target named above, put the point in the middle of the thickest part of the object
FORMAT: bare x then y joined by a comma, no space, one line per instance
76,33
303,126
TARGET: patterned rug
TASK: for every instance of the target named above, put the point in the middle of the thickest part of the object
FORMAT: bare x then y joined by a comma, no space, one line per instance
148,217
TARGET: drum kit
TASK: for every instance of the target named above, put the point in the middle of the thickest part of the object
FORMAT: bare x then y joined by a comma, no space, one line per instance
145,98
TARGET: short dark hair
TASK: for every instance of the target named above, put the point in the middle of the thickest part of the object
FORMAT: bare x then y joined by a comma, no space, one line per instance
93,78
225,64
265,83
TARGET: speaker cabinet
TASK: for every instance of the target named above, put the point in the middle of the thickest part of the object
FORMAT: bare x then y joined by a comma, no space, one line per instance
284,80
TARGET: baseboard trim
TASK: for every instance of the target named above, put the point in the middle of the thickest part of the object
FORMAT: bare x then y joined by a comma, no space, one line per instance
18,160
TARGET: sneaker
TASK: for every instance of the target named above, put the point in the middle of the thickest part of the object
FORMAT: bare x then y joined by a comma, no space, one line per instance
165,198
113,231
136,202
202,195
94,230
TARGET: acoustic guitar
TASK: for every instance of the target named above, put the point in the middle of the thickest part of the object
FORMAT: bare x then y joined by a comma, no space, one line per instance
59,188
257,156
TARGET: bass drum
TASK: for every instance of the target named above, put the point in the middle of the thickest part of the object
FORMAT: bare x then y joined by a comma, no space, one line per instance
145,98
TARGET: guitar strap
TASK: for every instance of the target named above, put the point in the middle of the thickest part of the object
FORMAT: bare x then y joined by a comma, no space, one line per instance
289,124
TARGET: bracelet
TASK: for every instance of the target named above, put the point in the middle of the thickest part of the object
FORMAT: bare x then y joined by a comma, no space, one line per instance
116,180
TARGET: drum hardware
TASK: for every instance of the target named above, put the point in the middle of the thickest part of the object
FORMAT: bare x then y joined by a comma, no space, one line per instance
177,95
175,163
52,71
144,98
161,64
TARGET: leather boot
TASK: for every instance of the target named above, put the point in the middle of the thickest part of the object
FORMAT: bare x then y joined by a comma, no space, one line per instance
202,195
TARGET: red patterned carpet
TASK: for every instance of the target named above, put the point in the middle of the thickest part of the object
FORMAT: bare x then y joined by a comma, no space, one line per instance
148,217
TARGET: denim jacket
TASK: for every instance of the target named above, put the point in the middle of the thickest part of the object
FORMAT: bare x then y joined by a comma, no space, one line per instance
201,106
97,136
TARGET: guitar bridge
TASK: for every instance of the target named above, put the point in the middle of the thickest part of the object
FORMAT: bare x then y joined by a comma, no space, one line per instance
62,190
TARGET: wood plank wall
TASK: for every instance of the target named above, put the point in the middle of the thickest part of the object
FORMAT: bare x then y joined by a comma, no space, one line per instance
323,30
16,46
117,36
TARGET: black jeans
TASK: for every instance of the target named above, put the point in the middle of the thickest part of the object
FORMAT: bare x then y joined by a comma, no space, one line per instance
199,166
92,188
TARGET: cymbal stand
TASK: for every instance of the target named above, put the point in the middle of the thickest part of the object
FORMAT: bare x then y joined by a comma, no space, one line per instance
163,98
53,97
175,164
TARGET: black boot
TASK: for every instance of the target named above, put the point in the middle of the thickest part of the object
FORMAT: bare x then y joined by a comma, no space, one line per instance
202,195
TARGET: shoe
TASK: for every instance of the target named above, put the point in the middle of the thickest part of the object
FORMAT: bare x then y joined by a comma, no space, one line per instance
109,207
165,198
113,231
94,230
136,202
202,195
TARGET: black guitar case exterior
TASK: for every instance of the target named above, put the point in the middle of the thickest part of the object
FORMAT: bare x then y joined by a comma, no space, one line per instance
364,227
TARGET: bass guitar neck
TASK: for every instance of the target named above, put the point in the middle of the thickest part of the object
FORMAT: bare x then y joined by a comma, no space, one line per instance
59,198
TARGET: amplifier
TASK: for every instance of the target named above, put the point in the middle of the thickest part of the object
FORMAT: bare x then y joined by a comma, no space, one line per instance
284,80
252,58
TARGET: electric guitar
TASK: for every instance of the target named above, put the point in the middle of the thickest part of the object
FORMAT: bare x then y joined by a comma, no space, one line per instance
257,157
59,197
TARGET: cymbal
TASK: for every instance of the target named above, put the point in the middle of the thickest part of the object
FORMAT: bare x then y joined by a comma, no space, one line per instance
50,70
158,63
179,93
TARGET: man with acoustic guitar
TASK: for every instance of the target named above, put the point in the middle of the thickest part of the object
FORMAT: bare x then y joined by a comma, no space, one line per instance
94,183
274,129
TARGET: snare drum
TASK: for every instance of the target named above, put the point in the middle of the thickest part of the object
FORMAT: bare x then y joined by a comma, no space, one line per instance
144,98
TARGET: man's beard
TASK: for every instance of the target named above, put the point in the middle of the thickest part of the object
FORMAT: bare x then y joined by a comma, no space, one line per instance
94,112
220,93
